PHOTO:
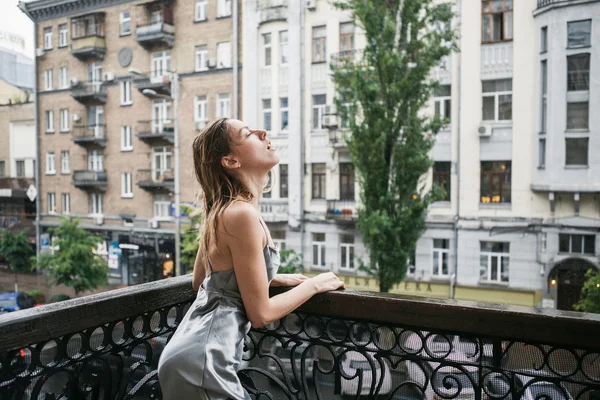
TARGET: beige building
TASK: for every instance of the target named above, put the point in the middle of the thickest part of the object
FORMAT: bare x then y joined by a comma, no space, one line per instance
108,73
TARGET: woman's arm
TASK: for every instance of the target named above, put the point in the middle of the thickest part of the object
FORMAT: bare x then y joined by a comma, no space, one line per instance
246,247
199,272
288,279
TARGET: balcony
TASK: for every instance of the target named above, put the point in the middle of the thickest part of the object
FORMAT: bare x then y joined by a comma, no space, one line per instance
155,180
88,93
544,3
89,136
157,27
159,84
341,210
337,137
110,343
346,57
155,133
274,210
90,180
87,40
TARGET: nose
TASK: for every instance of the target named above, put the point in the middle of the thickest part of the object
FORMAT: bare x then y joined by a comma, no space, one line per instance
263,134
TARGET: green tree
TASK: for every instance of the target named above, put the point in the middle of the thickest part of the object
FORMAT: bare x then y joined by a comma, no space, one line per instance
381,94
190,240
74,263
17,251
590,293
291,262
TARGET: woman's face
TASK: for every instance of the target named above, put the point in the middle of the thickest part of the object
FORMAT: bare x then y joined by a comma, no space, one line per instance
252,148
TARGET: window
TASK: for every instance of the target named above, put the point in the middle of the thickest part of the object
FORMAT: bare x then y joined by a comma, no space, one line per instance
542,153
578,115
162,206
20,168
443,105
95,160
156,16
161,163
96,204
89,25
346,38
223,105
318,181
201,58
49,121
318,110
64,162
544,100
266,49
94,71
2,168
347,251
126,185
64,120
441,177
495,181
51,203
283,181
544,40
283,108
412,265
201,10
577,151
278,239
318,243
579,33
66,203
63,78
347,181
48,79
200,109
125,23
283,47
224,55
50,164
223,8
319,44
47,38
126,143
266,105
493,262
496,20
441,250
578,72
577,244
161,115
63,32
125,93
497,100
161,63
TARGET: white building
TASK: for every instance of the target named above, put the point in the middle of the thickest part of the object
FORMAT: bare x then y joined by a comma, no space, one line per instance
523,210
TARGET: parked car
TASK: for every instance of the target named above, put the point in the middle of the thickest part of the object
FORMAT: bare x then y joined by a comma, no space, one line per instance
353,361
284,355
14,301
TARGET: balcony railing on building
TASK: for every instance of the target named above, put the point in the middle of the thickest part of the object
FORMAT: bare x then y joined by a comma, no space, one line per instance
343,210
544,3
89,135
155,132
346,57
274,210
161,85
343,343
156,180
87,36
88,93
90,180
156,26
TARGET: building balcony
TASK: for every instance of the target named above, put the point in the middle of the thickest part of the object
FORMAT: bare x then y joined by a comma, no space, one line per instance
87,39
337,137
161,85
153,180
88,136
90,180
88,93
346,57
545,3
414,348
274,210
341,210
155,133
157,27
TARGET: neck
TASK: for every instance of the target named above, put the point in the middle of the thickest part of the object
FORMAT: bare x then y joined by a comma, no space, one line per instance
255,185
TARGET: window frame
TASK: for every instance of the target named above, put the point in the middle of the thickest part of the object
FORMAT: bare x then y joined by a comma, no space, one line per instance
347,39
321,251
47,38
49,121
50,162
64,120
126,98
544,39
96,204
347,249
499,255
490,15
587,155
66,203
20,172
63,35
223,8
443,253
589,37
347,181
122,21
320,110
126,138
583,247
318,181
49,79
283,47
200,5
201,58
283,181
223,99
221,47
65,162
569,121
267,114
284,110
496,95
126,185
51,202
63,77
493,175
443,176
319,45
442,104
267,49
201,102
160,63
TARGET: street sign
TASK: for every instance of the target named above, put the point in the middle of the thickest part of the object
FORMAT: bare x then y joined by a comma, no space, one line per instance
31,193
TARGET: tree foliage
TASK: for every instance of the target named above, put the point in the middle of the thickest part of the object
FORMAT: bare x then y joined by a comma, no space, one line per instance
190,241
590,293
17,251
291,262
74,263
381,92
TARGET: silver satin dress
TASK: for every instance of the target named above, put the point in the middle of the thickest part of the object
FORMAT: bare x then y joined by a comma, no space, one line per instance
202,358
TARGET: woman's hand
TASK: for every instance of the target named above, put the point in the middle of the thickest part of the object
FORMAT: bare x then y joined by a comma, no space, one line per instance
327,281
288,279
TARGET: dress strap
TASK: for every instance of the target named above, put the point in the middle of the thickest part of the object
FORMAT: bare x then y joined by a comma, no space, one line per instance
208,261
265,229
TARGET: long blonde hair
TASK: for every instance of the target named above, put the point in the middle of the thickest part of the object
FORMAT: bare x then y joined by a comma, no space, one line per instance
219,189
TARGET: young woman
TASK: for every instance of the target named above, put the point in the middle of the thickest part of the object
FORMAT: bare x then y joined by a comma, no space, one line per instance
235,265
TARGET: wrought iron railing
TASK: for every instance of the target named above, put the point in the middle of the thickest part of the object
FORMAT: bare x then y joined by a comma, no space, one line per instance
342,209
544,3
106,346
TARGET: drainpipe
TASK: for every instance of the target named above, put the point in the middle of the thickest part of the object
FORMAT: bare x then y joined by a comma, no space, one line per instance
302,114
37,155
236,81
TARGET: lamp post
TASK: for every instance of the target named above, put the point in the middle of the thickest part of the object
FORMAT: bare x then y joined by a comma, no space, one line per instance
174,81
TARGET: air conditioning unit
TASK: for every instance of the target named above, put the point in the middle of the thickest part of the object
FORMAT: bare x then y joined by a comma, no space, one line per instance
330,121
153,224
311,4
76,117
74,82
199,125
99,219
39,52
211,63
109,76
330,109
485,130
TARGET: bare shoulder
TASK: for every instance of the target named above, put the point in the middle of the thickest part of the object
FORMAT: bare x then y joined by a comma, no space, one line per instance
241,220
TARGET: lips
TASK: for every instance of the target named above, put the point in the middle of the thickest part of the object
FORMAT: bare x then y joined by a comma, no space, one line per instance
270,147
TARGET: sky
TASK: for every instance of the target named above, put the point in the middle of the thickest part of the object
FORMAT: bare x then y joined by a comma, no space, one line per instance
12,20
